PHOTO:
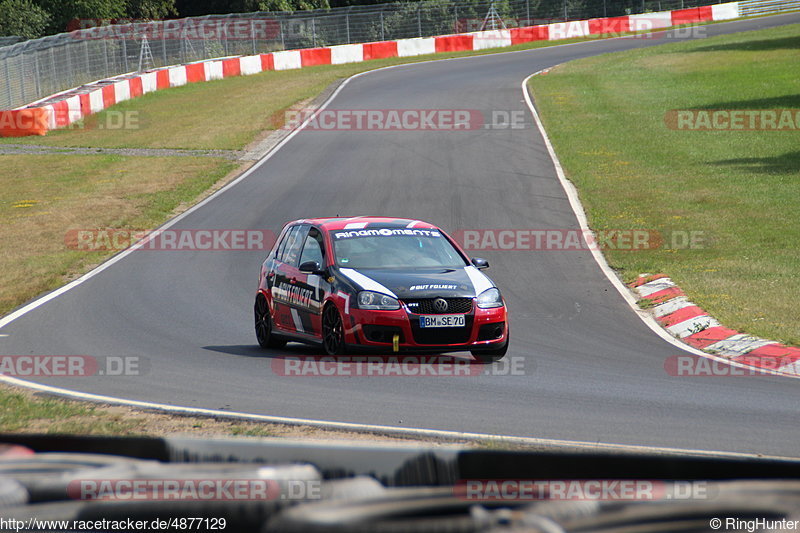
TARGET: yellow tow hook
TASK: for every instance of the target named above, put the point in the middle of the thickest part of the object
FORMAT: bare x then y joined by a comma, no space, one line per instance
396,343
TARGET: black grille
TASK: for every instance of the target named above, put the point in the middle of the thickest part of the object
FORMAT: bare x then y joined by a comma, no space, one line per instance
424,306
442,335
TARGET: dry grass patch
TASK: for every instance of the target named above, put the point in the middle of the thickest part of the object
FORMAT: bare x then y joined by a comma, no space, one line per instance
45,196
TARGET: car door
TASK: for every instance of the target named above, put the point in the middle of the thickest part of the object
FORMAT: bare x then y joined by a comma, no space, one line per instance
284,278
311,288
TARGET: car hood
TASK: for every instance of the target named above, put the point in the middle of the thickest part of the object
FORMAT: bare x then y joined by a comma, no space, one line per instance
421,283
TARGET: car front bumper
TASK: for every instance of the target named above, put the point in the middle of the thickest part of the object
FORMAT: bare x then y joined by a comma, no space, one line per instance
399,330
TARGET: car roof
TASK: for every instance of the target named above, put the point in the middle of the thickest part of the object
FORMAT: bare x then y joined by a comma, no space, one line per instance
361,222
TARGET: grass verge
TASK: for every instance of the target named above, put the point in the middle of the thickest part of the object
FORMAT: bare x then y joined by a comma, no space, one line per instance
48,195
24,411
739,189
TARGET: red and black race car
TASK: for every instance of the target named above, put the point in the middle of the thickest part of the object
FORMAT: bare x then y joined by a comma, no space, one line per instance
385,284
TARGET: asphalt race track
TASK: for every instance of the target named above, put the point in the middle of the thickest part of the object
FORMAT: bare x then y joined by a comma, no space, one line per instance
594,372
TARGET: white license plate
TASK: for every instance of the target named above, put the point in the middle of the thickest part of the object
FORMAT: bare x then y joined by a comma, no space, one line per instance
441,321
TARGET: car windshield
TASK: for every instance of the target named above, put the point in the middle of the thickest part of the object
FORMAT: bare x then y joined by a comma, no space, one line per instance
395,248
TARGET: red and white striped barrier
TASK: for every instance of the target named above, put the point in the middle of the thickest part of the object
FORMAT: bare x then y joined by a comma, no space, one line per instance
65,108
692,325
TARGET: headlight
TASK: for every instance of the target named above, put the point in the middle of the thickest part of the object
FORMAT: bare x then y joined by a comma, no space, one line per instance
376,300
490,298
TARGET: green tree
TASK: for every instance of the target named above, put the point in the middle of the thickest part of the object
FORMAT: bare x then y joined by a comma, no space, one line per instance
191,8
22,18
151,9
64,12
291,5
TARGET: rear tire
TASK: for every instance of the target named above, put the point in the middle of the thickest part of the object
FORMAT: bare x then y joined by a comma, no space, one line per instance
263,319
490,356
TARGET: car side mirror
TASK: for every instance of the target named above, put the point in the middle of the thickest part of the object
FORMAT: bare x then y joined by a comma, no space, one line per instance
311,267
480,263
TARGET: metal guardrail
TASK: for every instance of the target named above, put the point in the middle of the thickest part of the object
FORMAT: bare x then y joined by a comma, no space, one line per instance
760,7
38,68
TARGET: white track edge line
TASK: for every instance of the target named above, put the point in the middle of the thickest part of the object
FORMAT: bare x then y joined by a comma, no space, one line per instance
627,295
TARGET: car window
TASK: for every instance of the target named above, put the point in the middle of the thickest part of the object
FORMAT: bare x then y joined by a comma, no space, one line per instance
291,254
312,249
395,248
282,246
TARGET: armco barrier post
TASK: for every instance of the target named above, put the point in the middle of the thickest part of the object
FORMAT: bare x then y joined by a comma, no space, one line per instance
314,31
86,52
8,83
22,75
164,45
36,73
106,72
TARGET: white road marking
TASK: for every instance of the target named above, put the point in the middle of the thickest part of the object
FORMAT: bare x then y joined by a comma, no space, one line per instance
670,306
652,287
693,325
737,345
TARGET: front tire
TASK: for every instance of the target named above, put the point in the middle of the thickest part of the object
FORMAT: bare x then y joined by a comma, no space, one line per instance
332,331
490,356
263,319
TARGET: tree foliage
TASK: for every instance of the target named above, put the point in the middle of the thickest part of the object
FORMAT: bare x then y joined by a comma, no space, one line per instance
190,8
22,18
64,13
151,9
